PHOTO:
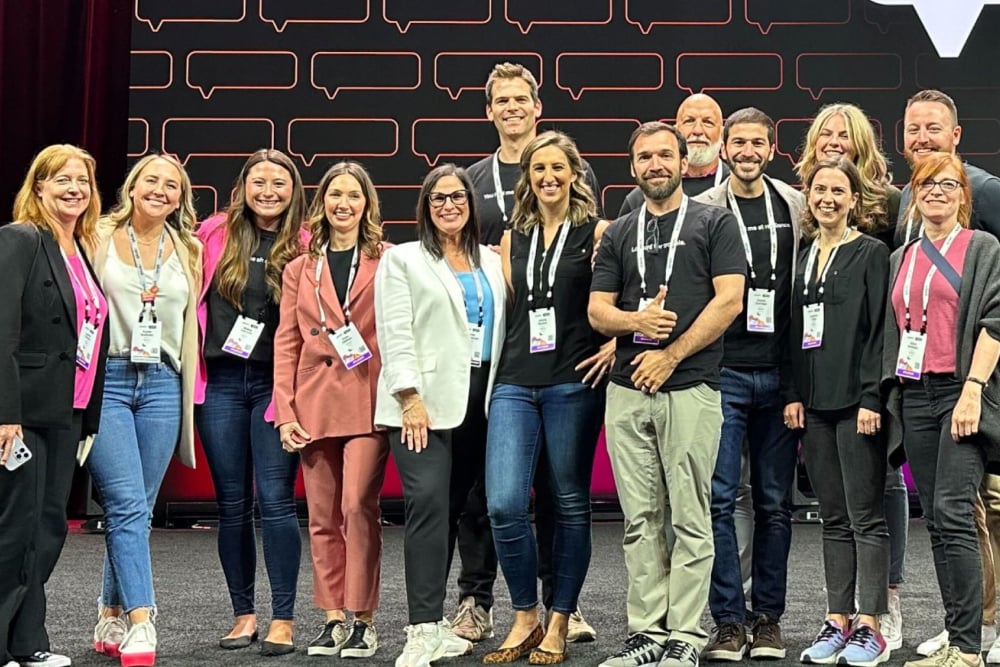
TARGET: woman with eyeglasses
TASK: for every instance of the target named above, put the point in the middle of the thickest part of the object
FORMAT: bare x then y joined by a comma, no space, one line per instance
942,343
439,316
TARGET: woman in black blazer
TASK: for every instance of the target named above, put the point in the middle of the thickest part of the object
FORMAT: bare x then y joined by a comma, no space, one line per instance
52,352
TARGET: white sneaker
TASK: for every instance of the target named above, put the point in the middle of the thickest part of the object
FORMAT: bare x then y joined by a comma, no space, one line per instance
138,649
993,656
452,645
988,635
45,659
933,645
579,630
108,634
427,642
891,624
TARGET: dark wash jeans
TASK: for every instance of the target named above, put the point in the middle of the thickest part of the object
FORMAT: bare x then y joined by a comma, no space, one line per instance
752,408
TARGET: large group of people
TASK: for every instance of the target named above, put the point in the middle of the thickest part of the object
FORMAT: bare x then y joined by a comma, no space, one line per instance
724,321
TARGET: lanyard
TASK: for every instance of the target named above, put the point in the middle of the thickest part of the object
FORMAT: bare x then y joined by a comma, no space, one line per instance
811,262
88,289
148,292
498,186
718,174
346,307
909,228
640,247
556,254
772,229
908,283
479,289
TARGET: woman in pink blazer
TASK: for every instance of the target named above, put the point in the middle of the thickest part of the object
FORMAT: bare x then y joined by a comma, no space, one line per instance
326,368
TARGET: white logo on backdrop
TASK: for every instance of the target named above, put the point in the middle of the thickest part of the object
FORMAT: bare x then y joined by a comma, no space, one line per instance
948,22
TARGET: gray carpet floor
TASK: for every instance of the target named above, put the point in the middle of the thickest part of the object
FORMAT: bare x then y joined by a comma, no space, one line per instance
194,607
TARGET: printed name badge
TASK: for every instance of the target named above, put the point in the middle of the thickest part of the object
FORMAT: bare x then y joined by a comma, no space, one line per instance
638,337
911,355
350,346
542,329
243,337
476,337
760,310
146,343
85,345
812,326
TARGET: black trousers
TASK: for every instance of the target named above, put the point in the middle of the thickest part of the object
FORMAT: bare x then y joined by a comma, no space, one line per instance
436,485
32,532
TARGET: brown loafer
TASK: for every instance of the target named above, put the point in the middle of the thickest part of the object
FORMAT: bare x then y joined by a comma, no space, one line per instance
503,656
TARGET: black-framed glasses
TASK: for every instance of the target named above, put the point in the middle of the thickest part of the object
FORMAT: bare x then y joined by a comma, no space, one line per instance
946,184
458,197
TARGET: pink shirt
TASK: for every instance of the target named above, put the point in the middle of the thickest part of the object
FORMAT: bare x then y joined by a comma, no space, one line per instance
84,285
942,307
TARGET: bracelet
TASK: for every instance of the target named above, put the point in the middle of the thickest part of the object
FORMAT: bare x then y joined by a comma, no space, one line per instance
975,380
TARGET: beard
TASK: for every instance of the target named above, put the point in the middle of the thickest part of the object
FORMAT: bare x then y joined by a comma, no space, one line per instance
660,192
738,174
702,156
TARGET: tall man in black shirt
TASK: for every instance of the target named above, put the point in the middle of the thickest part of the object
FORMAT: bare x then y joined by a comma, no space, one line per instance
699,118
767,213
668,281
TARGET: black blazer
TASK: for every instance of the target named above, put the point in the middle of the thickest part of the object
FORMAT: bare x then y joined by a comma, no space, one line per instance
38,335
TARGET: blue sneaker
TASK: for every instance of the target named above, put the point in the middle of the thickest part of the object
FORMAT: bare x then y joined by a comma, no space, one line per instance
827,645
865,648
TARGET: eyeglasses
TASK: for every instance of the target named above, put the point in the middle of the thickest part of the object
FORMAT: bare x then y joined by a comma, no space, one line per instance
458,197
946,184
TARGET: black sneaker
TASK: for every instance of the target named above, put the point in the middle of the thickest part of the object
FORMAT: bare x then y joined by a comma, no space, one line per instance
362,643
679,654
330,639
639,651
729,643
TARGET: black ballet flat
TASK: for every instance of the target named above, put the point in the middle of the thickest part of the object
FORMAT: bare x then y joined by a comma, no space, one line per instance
233,643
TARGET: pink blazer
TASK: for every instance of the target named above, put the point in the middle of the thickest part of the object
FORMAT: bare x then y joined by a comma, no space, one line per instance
213,234
311,384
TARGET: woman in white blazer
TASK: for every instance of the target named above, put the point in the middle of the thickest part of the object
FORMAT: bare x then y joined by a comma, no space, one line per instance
439,312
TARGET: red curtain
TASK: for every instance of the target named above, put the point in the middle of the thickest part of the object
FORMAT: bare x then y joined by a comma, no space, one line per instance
64,77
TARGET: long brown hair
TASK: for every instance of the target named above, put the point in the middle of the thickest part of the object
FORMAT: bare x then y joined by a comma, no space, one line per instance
582,205
427,233
243,236
370,229
28,207
857,216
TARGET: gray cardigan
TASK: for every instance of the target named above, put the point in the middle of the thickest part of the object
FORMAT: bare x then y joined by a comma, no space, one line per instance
978,309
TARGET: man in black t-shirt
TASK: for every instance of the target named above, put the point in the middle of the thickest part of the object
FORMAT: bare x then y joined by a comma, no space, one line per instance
668,281
767,212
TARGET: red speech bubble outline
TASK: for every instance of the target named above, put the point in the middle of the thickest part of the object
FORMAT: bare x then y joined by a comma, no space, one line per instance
189,19
170,69
609,121
373,54
645,28
500,55
145,147
209,190
426,156
403,26
211,90
312,21
775,57
576,95
818,94
525,28
626,187
368,121
163,135
764,30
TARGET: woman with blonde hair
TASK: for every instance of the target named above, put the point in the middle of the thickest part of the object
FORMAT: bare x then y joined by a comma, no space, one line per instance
148,262
246,250
53,344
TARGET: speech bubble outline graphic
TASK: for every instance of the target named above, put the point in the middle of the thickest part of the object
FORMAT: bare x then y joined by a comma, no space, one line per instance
560,124
388,210
403,25
170,69
156,24
309,160
433,160
948,24
207,91
817,92
163,136
645,28
336,91
209,188
525,27
770,24
774,57
576,93
145,146
498,56
311,21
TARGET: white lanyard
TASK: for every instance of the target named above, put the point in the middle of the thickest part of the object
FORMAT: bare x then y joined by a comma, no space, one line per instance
909,228
908,283
479,289
347,293
640,247
811,262
556,254
88,289
148,291
772,229
718,174
498,186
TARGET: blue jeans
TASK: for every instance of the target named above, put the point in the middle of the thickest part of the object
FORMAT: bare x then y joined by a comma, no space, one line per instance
140,426
244,451
565,419
752,408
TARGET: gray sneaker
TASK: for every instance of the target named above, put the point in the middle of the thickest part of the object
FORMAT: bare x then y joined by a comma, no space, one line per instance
578,629
679,653
639,651
472,621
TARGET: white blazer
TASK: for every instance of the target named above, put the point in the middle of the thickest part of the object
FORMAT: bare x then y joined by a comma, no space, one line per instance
422,329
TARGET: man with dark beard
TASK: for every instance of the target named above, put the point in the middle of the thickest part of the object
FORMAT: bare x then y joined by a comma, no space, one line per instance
668,281
767,213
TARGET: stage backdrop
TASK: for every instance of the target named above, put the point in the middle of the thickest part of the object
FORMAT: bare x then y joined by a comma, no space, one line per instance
398,84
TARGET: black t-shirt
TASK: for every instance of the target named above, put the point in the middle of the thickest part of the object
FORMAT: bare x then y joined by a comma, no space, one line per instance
746,349
692,186
340,270
709,246
491,221
257,305
575,339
